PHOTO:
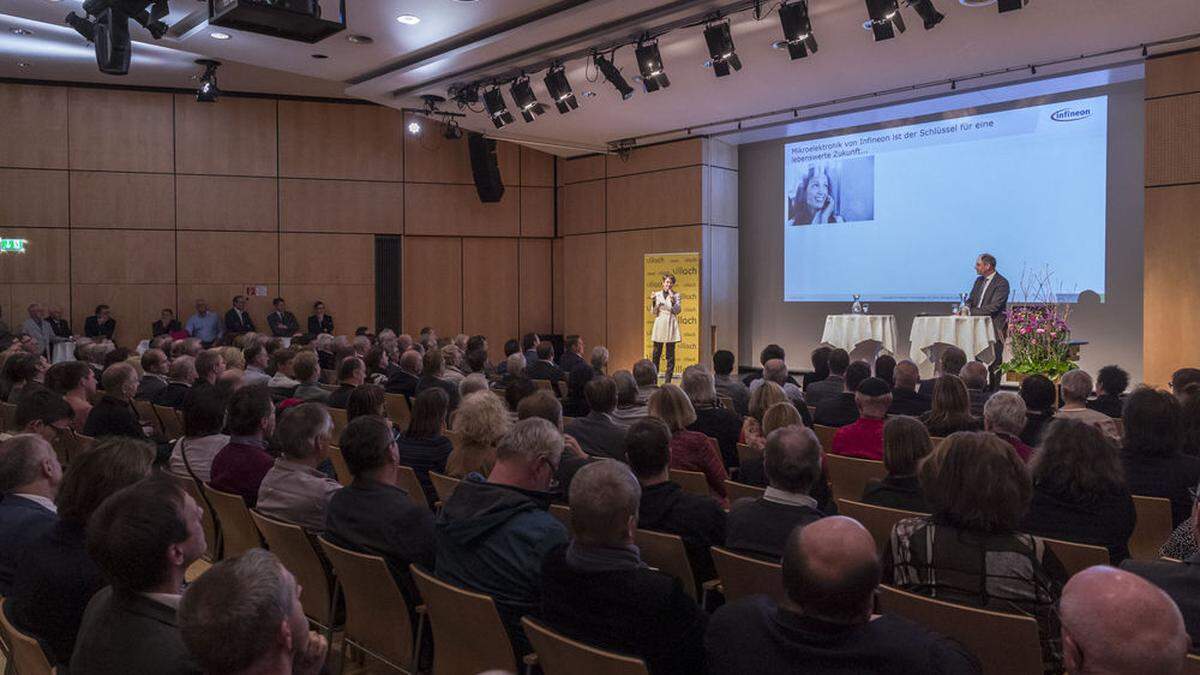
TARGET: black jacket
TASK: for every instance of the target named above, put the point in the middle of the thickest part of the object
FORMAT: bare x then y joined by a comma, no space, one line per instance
60,327
173,395
752,473
1167,476
760,528
1181,582
235,323
315,327
21,520
93,328
150,386
113,417
1109,404
723,425
569,360
642,613
340,397
909,402
896,492
447,386
993,303
599,435
699,521
290,325
125,632
836,411
401,382
157,328
542,370
1104,520
1035,421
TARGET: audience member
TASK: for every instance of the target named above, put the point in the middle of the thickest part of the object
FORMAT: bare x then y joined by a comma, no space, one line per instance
1111,383
76,383
690,450
23,371
905,443
543,367
257,359
514,369
1180,580
529,345
432,372
820,363
1079,490
752,471
472,383
599,360
423,446
378,365
294,489
518,390
30,476
598,434
1004,415
307,369
101,324
1151,457
510,347
863,438
319,322
951,362
575,404
833,384
166,324
45,413
842,409
351,373
951,410
203,424
776,370
760,527
727,384
763,399
573,349
405,378
628,409
1182,378
210,364
60,326
768,353
1189,409
1076,386
826,619
480,423
905,399
974,377
282,322
179,383
240,466
366,399
283,382
646,376
885,368
452,360
154,374
143,538
1039,395
711,419
597,589
324,346
204,325
113,414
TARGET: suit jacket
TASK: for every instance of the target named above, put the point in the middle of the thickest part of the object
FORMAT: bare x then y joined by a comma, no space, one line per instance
760,528
403,383
1181,581
21,519
325,325
238,323
290,325
993,302
599,435
172,396
909,402
93,328
150,386
978,398
126,632
569,360
836,411
61,327
113,417
542,370
158,328
826,388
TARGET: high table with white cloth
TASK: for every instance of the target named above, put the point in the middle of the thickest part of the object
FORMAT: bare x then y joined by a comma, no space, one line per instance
863,335
931,335
63,351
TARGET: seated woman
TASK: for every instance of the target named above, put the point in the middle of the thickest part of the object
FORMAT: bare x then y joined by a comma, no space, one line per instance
423,446
1039,395
690,450
1154,465
1079,491
479,423
765,396
377,361
951,409
969,551
367,399
905,443
628,409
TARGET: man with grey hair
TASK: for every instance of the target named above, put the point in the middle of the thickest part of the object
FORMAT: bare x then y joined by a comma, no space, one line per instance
29,479
629,409
1076,388
792,463
1004,415
599,360
711,419
975,376
597,589
646,376
776,370
40,330
471,384
294,490
1117,622
180,377
514,367
404,380
491,537
244,616
599,435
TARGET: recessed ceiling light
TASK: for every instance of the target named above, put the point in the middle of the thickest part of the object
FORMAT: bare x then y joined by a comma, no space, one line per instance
976,3
409,19
20,31
218,35
360,39
320,56
24,64
587,94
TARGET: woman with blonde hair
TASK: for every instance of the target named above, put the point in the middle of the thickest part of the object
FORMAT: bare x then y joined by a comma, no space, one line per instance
234,359
782,414
479,423
765,395
690,450
951,410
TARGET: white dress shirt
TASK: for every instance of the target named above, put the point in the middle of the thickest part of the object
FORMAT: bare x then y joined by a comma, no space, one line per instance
987,282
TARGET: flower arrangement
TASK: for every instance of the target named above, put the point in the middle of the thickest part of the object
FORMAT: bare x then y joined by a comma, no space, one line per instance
1038,329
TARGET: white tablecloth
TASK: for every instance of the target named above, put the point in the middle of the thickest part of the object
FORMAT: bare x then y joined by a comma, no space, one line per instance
975,335
63,351
847,331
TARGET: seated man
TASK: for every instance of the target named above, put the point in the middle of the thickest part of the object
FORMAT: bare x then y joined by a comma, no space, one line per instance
665,507
835,383
1117,622
257,360
404,379
244,617
144,538
842,409
210,364
352,373
543,368
951,362
646,376
864,437
905,399
597,589
154,374
975,376
727,384
203,437
29,479
44,413
294,490
792,462
492,536
598,433
1180,581
307,368
826,621
239,467
572,354
1076,387
776,370
179,382
114,414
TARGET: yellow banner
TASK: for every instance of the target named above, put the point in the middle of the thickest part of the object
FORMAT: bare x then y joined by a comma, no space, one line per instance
686,268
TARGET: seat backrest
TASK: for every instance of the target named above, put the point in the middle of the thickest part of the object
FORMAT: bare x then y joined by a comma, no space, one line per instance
1153,526
145,411
468,636
295,549
1004,643
407,479
26,653
1192,666
328,376
691,481
546,385
560,655
735,490
340,467
8,416
747,454
878,520
443,485
726,402
563,513
376,613
238,533
338,415
825,435
1077,557
666,552
207,520
398,410
849,475
742,575
172,423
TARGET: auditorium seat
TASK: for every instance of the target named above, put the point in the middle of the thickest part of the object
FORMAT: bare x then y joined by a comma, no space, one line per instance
407,480
747,454
172,423
848,476
338,415
559,655
27,657
1152,528
878,520
1077,557
398,410
825,436
691,481
735,490
742,576
238,533
468,636
666,553
340,467
297,552
443,485
145,412
563,513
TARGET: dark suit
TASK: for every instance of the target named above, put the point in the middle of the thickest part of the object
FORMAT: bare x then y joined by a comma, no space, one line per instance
599,435
93,328
993,303
60,327
150,386
545,370
1181,581
403,383
173,395
836,411
126,632
157,328
569,360
325,325
290,325
909,402
113,417
238,323
21,520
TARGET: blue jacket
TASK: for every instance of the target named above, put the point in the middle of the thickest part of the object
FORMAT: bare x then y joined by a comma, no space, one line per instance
21,520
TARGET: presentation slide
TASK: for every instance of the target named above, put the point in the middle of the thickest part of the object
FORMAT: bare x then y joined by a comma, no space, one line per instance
900,214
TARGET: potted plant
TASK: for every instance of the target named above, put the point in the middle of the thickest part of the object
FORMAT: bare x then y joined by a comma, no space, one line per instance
1038,331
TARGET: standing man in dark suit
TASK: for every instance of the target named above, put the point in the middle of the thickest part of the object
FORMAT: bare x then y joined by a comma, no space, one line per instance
237,320
989,297
572,354
320,322
282,322
543,368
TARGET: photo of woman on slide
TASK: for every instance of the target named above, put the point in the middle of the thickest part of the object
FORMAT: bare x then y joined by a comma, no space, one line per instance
830,191
813,202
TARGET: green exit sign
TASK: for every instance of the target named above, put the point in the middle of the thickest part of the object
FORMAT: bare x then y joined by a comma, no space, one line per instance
12,245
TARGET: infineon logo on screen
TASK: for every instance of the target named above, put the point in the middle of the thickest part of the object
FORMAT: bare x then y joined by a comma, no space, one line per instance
1069,115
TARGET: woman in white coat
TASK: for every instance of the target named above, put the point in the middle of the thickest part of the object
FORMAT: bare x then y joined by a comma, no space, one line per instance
664,306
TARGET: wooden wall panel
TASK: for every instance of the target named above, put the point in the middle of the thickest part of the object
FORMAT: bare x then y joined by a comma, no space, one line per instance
47,257
134,306
1171,313
536,284
720,194
122,200
1172,152
719,268
126,257
537,212
119,130
220,299
720,153
444,210
583,283
557,263
431,158
227,203
350,305
660,199
537,168
31,198
35,126
433,284
490,291
235,138
327,258
581,169
1173,74
581,210
239,258
689,152
341,206
335,140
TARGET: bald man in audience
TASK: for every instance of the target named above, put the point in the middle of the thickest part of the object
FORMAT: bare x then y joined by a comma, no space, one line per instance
404,381
905,399
1117,622
824,619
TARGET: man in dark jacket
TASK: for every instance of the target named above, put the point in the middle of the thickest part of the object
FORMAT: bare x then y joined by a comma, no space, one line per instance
282,322
237,319
842,409
572,354
29,478
543,367
597,589
352,373
598,434
114,415
760,527
905,399
404,380
179,382
492,536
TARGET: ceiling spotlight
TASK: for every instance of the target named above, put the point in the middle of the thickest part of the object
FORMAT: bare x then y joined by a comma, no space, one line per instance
560,90
797,30
452,132
527,103
208,91
493,102
359,39
414,127
720,48
613,75
218,35
24,64
22,32
927,11
650,65
1010,5
885,19
409,19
